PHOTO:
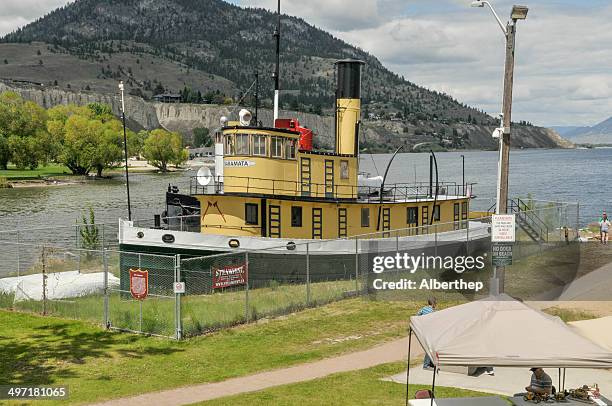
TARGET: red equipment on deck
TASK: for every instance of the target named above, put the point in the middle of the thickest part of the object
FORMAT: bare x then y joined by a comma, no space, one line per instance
306,135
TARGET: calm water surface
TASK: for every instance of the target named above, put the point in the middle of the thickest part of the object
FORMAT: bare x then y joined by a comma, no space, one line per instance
581,176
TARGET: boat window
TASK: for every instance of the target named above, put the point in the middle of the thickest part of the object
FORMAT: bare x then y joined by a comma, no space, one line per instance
296,216
413,215
437,213
259,145
276,145
229,145
290,149
365,217
250,213
464,211
344,169
242,144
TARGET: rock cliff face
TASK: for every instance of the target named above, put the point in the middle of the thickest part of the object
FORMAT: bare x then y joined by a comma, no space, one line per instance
378,135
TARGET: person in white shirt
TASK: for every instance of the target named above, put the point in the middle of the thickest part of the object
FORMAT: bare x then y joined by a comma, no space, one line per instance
604,228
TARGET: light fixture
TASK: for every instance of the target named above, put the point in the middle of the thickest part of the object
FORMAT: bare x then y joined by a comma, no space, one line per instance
519,12
478,3
121,87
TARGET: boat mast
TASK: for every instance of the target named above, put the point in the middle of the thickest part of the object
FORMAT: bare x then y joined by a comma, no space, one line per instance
277,70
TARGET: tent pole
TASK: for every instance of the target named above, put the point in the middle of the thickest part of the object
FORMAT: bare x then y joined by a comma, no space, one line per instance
433,385
563,378
408,366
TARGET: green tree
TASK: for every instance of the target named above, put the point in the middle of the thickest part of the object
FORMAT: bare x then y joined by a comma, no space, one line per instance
102,112
136,142
90,234
109,145
23,132
202,138
88,137
79,144
163,147
5,152
24,151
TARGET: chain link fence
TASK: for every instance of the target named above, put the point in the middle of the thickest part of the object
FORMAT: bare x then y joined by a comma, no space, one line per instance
81,276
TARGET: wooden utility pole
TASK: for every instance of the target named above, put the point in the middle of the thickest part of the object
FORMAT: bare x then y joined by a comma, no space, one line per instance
504,140
507,111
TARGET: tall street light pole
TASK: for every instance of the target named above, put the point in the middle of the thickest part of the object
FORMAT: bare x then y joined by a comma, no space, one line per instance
125,147
463,173
509,31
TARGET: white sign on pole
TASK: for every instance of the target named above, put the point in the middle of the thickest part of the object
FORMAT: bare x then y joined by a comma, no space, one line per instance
179,287
503,228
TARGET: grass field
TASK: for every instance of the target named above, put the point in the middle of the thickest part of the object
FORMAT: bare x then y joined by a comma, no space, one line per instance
363,387
97,364
200,313
13,173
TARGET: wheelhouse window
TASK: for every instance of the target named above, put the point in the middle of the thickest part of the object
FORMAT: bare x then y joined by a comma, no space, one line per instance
276,147
365,217
296,216
464,211
436,213
290,149
230,145
412,215
242,144
251,213
259,145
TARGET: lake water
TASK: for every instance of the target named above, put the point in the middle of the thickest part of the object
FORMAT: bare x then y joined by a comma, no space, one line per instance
581,176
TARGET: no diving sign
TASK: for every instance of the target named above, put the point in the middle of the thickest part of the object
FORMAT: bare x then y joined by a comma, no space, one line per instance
179,287
502,228
501,254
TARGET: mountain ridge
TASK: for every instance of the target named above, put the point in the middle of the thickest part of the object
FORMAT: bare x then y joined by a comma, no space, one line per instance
212,49
600,133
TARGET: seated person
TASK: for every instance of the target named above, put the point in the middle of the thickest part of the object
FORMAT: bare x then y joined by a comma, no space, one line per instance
540,382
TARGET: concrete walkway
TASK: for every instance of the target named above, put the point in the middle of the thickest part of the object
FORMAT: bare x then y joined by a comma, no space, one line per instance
382,354
507,381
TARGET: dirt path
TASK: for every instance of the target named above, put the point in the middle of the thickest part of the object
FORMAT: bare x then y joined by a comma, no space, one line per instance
382,354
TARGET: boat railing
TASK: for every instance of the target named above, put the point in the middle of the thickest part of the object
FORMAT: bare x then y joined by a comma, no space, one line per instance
419,191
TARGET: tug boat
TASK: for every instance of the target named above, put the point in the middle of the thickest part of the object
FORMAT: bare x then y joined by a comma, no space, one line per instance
274,195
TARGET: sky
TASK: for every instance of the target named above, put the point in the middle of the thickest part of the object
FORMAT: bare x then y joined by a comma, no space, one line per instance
563,70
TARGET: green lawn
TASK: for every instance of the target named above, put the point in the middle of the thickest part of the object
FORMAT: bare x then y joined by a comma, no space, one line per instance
200,313
363,387
13,173
98,365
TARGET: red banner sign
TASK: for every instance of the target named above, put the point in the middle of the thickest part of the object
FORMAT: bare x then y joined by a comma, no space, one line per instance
234,275
139,283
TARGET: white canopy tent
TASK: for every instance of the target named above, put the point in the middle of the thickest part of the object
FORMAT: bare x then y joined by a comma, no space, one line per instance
597,330
501,331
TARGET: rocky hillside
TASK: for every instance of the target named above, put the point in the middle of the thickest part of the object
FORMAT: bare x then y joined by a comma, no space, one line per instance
209,50
376,136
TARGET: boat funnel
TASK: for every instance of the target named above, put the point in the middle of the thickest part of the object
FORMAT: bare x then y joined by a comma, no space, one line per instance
348,106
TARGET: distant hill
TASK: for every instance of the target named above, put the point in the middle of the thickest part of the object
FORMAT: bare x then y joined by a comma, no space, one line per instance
564,130
209,50
598,134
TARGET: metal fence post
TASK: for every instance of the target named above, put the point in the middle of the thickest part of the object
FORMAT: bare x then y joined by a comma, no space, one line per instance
307,274
177,298
247,314
18,254
106,310
357,265
44,281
